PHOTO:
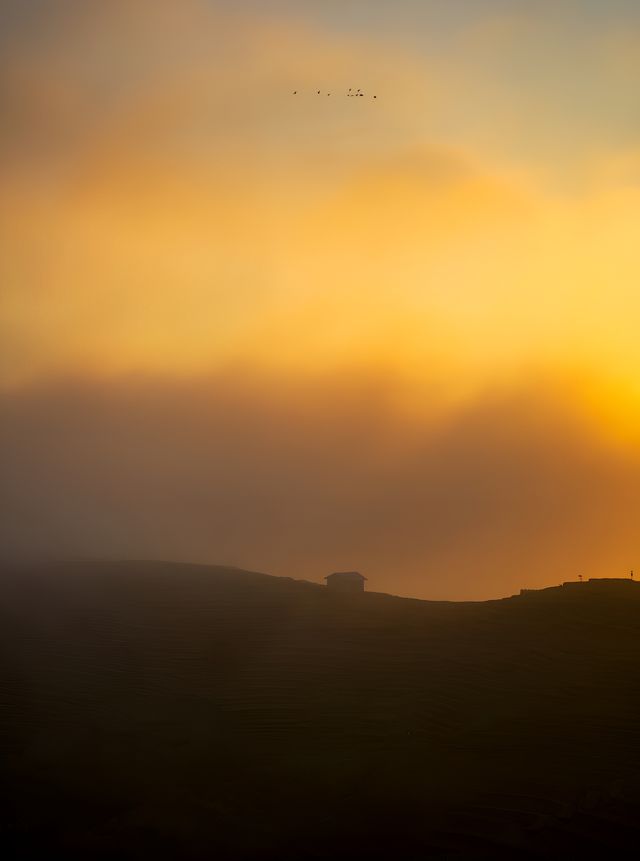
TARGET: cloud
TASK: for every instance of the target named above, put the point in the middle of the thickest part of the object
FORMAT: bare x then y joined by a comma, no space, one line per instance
168,205
516,489
342,284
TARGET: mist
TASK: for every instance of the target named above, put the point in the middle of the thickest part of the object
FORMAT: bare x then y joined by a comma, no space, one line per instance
301,478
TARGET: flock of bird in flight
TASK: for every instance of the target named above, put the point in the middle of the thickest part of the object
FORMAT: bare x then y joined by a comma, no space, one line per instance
351,93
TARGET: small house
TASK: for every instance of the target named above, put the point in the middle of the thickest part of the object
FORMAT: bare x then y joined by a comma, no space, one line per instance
346,581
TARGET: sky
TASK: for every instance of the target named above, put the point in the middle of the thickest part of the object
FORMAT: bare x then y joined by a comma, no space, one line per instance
307,333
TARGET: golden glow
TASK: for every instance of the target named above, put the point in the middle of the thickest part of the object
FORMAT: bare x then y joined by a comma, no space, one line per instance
169,208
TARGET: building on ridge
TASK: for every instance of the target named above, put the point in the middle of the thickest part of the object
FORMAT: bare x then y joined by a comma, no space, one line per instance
346,581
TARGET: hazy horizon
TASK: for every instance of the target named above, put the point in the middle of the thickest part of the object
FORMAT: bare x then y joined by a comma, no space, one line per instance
516,489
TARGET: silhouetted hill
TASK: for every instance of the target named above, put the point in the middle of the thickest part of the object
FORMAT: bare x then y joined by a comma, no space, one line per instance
178,711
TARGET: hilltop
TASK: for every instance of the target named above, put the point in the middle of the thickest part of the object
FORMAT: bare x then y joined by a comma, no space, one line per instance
190,711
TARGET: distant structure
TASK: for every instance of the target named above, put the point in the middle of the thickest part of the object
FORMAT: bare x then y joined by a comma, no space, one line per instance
603,584
346,581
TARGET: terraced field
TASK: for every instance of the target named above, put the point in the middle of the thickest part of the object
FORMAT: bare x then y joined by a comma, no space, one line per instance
176,711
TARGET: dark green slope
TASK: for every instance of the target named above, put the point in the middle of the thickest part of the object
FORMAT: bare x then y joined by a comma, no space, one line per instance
176,711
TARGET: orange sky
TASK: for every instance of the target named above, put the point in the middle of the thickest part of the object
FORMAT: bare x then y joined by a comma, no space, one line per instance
468,241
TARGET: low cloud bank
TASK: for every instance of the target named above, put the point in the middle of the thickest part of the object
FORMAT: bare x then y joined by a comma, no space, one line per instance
301,479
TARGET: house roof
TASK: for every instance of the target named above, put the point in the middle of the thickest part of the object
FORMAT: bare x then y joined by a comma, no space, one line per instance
350,574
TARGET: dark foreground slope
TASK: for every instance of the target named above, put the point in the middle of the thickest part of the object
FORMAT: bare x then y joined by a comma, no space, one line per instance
170,711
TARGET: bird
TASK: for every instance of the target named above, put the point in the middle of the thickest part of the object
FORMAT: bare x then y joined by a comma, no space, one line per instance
350,93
